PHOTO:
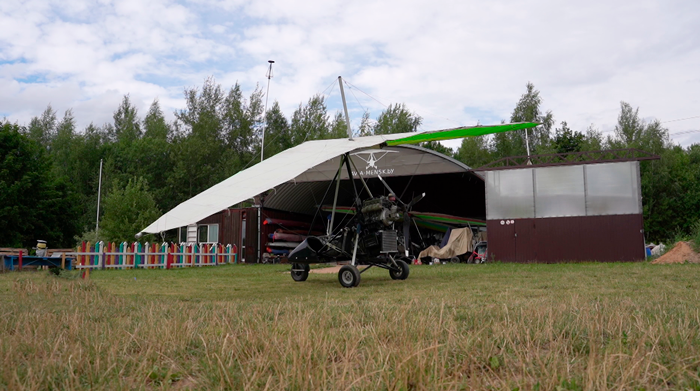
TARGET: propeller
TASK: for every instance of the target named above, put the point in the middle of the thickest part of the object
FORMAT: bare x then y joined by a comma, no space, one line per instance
389,188
414,201
406,207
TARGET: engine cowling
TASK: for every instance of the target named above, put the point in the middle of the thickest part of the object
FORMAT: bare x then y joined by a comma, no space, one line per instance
380,211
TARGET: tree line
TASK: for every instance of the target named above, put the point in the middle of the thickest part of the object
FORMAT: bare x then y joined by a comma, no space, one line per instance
49,169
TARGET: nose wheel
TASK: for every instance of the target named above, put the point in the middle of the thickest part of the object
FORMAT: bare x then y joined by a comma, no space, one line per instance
300,272
349,276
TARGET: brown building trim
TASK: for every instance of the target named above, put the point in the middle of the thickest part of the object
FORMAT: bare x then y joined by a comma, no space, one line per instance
612,238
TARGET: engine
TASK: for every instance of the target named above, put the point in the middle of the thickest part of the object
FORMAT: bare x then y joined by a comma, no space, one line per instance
379,213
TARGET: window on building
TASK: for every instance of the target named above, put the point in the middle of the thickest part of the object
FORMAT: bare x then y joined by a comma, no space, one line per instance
208,233
182,234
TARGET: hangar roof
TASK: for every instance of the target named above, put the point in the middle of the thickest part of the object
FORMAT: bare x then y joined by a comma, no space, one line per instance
304,193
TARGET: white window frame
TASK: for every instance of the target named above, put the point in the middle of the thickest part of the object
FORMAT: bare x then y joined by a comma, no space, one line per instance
180,232
209,233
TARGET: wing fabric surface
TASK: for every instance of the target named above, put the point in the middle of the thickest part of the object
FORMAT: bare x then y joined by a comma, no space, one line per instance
287,165
246,184
450,134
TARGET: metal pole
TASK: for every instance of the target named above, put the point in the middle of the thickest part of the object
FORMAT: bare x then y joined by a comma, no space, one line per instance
345,107
267,96
99,193
354,249
361,179
527,145
335,198
258,256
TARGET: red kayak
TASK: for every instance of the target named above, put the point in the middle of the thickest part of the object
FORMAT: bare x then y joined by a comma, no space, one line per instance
288,237
286,223
302,232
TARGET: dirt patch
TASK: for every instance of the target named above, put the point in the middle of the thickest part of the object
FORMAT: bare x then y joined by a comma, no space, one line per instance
331,270
680,253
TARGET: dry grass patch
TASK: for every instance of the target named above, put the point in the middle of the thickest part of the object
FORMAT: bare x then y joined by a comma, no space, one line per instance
546,327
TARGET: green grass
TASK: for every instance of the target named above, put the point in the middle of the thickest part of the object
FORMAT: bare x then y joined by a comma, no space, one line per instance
492,326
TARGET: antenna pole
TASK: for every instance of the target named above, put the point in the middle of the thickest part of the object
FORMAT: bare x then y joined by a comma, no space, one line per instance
527,145
345,107
267,96
99,193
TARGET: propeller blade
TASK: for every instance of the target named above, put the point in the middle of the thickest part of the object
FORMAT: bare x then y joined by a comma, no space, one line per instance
389,188
414,201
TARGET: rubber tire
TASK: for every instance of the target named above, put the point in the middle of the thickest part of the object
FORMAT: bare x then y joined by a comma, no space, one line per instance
349,276
455,260
300,276
404,271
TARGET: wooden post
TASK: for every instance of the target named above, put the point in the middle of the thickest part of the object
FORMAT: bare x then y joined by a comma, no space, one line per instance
194,254
81,259
20,260
89,259
166,258
137,257
173,249
63,260
145,261
102,255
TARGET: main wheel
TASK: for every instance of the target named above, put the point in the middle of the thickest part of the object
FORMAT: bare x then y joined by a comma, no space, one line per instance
300,272
349,276
400,274
455,260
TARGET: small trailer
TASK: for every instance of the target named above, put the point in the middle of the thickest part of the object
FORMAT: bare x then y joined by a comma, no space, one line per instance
19,261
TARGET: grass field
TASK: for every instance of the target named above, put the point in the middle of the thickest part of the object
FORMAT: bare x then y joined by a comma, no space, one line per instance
493,326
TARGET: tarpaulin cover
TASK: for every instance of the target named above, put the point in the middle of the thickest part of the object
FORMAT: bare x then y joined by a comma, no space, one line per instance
460,242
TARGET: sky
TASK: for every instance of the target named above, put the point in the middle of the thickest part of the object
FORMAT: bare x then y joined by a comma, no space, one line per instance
454,63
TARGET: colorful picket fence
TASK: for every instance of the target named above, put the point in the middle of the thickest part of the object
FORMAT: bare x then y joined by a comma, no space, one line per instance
125,255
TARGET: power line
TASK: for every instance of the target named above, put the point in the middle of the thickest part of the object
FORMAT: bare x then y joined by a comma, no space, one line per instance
352,86
684,132
358,101
330,87
680,119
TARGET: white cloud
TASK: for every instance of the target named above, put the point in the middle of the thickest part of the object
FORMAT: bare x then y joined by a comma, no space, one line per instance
454,63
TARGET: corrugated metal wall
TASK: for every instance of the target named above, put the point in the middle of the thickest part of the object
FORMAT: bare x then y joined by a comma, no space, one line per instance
611,238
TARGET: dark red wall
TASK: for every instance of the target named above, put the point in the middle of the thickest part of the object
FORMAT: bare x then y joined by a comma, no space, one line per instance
563,239
230,224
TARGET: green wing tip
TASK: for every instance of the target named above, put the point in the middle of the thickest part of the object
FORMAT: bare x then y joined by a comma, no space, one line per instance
471,131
